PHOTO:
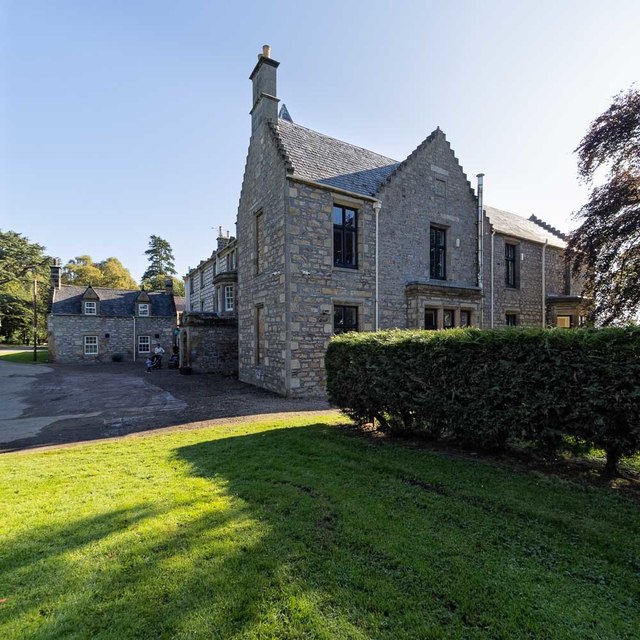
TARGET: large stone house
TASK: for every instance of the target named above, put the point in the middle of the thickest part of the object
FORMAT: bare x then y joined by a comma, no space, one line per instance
333,237
92,324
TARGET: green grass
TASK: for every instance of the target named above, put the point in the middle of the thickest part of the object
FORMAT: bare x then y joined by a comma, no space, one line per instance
25,357
300,530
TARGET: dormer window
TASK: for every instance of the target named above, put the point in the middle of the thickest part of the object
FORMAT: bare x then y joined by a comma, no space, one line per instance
143,309
90,308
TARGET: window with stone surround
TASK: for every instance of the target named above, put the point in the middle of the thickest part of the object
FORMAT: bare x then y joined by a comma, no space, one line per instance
438,253
228,298
564,322
345,318
345,237
143,309
511,319
448,319
465,318
90,308
259,242
510,265
144,344
430,319
260,332
90,345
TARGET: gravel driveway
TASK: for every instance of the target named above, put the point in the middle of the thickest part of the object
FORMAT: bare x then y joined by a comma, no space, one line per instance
60,404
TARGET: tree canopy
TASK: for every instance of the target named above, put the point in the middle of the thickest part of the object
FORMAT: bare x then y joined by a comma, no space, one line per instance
20,262
605,249
109,273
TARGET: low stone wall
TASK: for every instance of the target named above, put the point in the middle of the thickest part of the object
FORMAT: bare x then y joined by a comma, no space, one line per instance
209,343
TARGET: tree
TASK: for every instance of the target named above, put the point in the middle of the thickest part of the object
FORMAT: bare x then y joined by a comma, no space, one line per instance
109,273
160,259
20,262
605,249
18,256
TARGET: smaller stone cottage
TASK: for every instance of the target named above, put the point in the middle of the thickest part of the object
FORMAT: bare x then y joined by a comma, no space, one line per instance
93,324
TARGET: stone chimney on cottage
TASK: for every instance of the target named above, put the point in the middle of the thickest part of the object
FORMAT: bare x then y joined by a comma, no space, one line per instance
265,100
56,274
168,286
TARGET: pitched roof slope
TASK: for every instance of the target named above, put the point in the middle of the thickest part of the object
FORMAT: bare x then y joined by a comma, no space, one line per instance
314,156
113,302
514,225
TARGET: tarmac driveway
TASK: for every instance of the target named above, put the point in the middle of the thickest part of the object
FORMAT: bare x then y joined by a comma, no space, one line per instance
58,404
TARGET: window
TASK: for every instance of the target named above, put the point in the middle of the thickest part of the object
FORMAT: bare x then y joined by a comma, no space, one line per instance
191,284
345,319
448,319
511,319
465,318
202,278
228,298
345,237
510,278
438,246
91,345
90,308
144,344
201,305
441,188
260,335
564,322
259,242
431,319
143,309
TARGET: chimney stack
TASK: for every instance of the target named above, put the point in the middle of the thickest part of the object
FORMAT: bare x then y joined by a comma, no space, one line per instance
265,101
168,286
56,274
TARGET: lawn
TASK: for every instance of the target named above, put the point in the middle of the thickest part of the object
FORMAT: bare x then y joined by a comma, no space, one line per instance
25,357
301,530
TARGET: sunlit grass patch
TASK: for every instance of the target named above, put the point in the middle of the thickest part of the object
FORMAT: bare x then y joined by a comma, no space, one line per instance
294,529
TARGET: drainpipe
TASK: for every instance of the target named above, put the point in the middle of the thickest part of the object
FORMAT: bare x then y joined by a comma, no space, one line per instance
493,236
480,177
134,338
377,205
544,284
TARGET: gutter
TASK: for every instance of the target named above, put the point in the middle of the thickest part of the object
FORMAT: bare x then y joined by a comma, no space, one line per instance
493,236
377,205
480,177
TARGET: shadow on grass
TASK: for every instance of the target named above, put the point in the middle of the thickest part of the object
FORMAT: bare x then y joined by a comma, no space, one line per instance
306,533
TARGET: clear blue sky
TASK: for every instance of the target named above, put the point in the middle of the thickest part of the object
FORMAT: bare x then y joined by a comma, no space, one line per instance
125,118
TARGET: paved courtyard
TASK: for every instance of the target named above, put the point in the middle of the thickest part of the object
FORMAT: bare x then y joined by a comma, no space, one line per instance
44,405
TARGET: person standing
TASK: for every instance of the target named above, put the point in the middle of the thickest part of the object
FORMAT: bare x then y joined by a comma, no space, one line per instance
158,352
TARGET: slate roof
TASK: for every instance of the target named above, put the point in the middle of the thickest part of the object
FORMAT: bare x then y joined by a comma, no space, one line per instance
314,156
514,225
113,302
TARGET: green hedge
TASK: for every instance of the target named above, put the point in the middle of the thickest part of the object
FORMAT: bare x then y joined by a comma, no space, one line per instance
484,387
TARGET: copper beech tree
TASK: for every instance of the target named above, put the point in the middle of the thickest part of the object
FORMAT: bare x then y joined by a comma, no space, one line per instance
605,249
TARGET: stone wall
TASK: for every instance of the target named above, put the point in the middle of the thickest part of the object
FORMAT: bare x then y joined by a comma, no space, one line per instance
209,344
115,335
263,190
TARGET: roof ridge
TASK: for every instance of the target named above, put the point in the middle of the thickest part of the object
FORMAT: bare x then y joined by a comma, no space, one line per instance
355,146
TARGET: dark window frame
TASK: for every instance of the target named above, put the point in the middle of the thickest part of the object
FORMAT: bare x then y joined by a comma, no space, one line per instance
437,253
347,235
511,319
511,265
431,326
345,328
465,313
453,319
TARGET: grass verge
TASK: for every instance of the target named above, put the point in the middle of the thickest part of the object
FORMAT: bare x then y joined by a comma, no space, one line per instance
295,529
25,357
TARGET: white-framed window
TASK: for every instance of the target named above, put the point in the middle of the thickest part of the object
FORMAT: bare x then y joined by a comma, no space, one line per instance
144,344
90,308
228,298
143,309
91,345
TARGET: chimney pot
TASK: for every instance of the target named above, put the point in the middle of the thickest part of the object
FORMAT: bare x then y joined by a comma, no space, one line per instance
266,51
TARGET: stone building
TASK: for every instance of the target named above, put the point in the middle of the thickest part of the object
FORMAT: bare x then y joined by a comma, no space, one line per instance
209,327
92,324
333,238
